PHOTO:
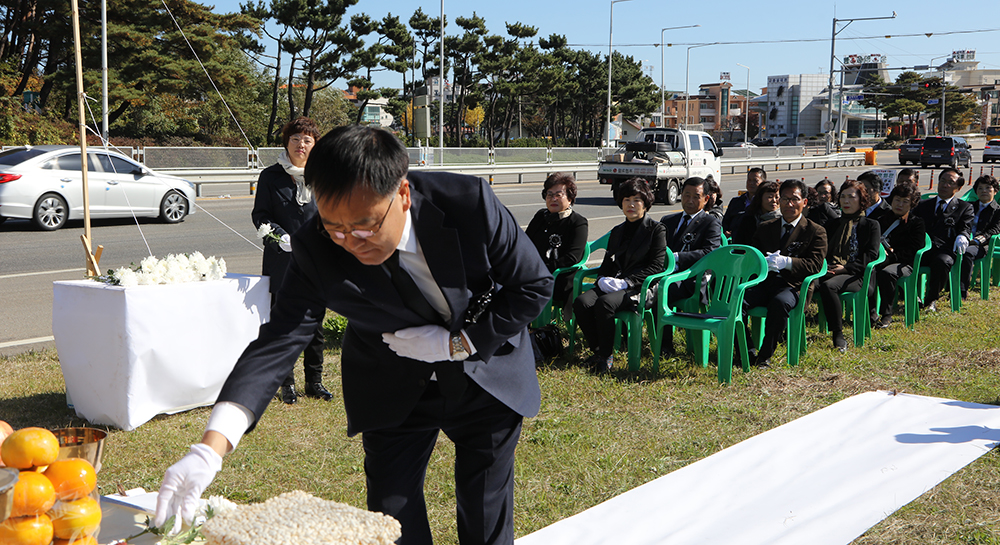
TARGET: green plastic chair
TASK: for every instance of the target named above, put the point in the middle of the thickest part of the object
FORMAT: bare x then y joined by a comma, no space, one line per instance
911,310
983,268
734,268
796,328
550,312
954,284
856,302
724,240
632,322
579,286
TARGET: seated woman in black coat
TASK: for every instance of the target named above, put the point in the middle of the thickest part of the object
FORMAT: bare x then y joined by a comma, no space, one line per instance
558,232
636,249
763,207
853,241
903,236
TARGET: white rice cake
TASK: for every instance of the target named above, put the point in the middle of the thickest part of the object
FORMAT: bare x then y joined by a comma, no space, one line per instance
300,518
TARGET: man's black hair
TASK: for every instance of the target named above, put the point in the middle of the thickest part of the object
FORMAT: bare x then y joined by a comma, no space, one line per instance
356,157
795,183
695,181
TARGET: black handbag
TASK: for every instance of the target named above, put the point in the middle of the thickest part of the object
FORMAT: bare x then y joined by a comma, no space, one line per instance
546,342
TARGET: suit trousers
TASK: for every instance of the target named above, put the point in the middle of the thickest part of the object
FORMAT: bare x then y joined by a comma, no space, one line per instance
940,261
886,278
312,357
780,299
595,314
485,433
829,289
975,250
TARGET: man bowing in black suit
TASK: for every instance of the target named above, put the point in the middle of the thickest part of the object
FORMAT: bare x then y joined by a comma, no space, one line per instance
691,235
438,284
949,223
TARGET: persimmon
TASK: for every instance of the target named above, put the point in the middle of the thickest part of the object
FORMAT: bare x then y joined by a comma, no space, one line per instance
33,495
31,530
72,478
85,540
30,447
76,518
5,430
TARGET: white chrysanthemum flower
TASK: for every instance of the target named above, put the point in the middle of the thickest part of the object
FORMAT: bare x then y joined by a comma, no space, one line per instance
200,266
218,269
148,264
126,277
264,230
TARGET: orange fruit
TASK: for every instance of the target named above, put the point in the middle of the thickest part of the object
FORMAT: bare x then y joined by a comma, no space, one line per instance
30,447
33,530
76,518
33,495
72,478
85,540
5,430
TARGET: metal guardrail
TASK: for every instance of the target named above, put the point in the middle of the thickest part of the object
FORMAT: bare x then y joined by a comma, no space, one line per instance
731,164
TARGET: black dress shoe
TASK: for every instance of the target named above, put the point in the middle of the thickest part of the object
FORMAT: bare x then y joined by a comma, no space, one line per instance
317,390
839,342
288,394
883,322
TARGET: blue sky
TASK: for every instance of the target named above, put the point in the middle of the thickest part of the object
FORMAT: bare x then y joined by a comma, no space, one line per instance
804,25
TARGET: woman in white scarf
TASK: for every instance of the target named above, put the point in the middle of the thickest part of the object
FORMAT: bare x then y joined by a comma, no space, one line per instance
285,203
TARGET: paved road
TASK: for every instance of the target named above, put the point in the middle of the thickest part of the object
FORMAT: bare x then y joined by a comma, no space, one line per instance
31,260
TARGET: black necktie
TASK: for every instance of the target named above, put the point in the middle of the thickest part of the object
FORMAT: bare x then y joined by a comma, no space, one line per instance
450,375
413,298
786,230
941,206
684,224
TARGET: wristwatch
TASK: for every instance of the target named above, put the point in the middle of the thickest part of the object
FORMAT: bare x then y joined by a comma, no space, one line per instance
458,351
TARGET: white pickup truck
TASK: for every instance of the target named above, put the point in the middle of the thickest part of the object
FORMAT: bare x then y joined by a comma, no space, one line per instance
664,158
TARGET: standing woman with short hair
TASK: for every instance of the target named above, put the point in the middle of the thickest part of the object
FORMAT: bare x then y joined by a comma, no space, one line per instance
285,202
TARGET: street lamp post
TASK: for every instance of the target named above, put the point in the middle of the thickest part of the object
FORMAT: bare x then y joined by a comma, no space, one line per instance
611,26
833,55
943,74
663,113
746,106
687,77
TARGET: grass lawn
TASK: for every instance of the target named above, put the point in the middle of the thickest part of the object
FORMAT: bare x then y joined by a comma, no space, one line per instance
596,436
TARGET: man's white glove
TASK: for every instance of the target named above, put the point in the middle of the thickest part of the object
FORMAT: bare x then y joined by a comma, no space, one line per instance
611,285
183,484
429,343
286,243
777,262
961,243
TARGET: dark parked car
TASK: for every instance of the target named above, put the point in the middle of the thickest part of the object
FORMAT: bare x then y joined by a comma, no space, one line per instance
945,150
762,141
910,151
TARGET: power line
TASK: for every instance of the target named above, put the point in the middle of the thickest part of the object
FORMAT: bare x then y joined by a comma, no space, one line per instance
807,40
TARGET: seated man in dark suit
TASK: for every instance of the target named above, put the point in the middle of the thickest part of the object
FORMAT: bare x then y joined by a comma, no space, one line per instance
738,205
690,235
438,284
877,205
985,224
948,220
795,248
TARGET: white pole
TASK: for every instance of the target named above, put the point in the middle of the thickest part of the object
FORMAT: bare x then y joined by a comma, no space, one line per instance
611,26
104,70
441,90
746,105
663,113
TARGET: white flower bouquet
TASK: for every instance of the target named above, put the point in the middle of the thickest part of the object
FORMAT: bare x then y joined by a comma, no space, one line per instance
173,269
266,233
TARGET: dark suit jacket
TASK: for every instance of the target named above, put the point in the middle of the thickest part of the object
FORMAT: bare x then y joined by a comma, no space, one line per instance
989,220
571,232
806,246
734,212
823,213
275,204
883,208
469,239
702,235
869,236
956,220
904,240
642,257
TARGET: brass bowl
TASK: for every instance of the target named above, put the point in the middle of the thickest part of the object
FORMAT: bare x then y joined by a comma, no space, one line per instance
8,478
86,443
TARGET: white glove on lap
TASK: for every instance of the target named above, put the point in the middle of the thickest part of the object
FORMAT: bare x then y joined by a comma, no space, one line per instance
429,343
961,243
777,262
286,243
611,285
183,484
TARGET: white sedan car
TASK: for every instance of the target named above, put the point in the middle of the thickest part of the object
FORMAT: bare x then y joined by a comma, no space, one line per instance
992,151
45,184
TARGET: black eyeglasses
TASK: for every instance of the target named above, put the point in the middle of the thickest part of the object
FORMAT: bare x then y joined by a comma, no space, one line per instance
357,233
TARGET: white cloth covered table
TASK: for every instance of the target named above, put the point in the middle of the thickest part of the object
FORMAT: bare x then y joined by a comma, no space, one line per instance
128,354
822,479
